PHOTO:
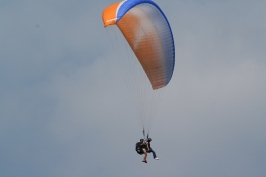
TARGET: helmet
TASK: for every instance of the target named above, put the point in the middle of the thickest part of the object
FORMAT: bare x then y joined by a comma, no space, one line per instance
149,139
141,140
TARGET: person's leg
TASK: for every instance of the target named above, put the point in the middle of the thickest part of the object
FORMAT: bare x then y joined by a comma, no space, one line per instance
153,153
145,156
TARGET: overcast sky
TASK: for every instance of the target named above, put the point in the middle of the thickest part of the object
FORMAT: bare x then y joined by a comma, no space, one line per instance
65,111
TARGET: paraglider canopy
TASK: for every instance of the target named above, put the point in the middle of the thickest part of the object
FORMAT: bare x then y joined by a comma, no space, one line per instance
147,30
149,46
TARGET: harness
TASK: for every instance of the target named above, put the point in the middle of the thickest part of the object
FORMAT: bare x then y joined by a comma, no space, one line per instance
138,148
